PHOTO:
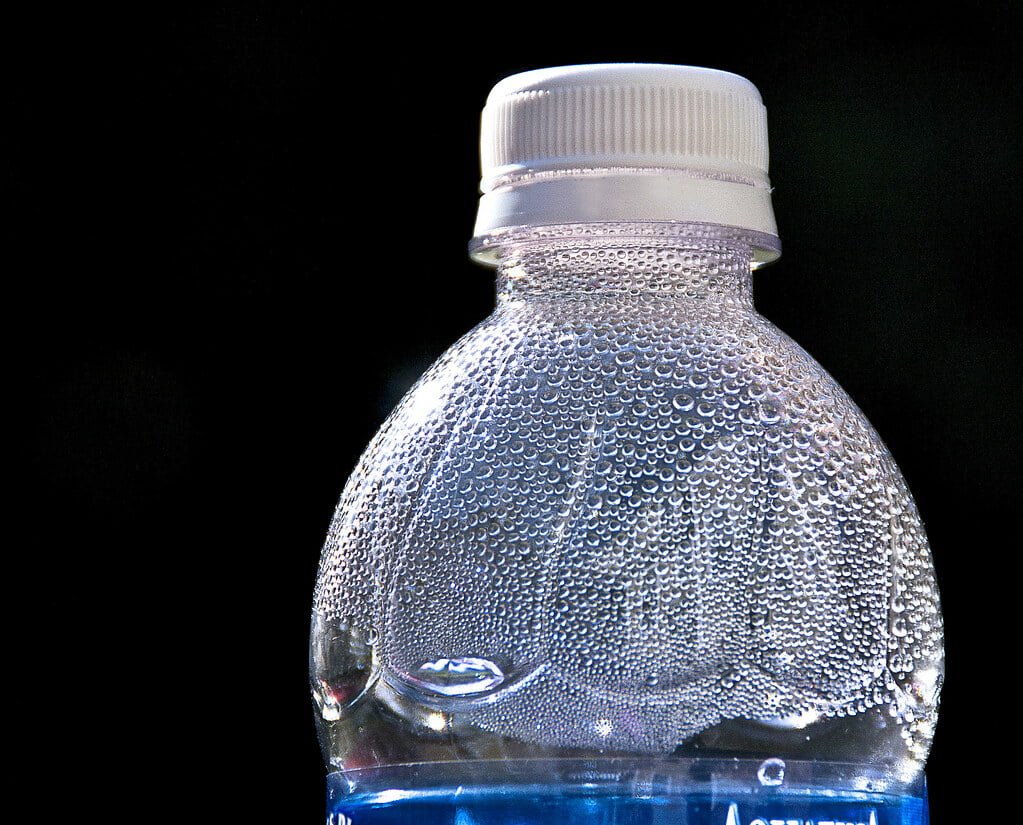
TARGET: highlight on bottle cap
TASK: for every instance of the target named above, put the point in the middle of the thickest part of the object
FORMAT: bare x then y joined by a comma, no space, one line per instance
619,142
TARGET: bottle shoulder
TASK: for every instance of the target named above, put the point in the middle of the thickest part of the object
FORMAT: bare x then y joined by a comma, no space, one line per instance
711,379
643,347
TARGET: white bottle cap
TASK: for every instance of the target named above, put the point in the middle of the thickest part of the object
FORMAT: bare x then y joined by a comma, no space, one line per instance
621,142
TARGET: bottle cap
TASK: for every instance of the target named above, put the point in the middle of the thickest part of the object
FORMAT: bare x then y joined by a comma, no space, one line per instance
622,142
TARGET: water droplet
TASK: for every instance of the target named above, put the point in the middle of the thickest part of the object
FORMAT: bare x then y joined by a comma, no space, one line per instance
771,772
682,401
769,413
462,676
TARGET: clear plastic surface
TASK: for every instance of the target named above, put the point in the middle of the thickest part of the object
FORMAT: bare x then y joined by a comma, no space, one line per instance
627,518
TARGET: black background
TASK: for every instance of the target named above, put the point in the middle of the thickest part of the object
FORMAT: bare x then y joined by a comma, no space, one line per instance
239,234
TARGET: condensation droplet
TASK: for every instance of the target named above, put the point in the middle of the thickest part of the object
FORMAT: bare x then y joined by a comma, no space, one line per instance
771,772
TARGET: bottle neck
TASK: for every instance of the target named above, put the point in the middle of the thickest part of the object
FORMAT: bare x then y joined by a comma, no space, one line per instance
668,261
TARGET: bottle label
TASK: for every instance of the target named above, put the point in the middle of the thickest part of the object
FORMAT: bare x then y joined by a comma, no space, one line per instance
816,812
538,810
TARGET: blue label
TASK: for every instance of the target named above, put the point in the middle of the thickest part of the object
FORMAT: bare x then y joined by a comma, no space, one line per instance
497,808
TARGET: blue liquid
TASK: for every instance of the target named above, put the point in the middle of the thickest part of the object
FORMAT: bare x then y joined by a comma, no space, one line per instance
532,806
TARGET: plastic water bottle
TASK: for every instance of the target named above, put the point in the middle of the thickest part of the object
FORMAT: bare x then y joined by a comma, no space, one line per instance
626,553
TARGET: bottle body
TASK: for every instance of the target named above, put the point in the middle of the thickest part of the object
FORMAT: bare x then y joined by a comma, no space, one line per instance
627,518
